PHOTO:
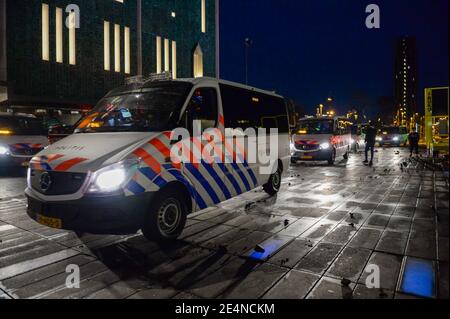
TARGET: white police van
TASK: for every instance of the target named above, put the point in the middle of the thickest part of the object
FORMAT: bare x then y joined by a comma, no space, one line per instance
117,174
321,139
21,137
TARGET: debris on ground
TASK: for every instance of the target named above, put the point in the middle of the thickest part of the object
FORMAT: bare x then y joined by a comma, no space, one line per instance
382,293
259,249
249,205
345,282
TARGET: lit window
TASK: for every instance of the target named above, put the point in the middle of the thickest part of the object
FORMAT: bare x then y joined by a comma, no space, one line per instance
174,59
72,41
203,14
107,45
198,62
127,50
59,35
158,55
173,14
45,33
166,55
117,48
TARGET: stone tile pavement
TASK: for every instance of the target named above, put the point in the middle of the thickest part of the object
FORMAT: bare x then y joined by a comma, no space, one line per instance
326,227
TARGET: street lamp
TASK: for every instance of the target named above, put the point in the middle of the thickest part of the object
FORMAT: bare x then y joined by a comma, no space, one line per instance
248,43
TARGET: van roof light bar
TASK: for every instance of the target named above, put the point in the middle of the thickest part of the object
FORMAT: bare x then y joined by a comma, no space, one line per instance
153,77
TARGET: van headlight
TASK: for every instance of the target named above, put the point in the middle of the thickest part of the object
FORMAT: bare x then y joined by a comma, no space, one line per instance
4,150
396,139
112,178
292,147
324,146
378,139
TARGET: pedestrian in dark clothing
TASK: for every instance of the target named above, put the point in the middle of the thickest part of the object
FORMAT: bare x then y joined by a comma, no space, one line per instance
371,134
413,138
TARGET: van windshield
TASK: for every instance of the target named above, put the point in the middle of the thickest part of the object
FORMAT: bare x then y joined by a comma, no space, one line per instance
155,107
316,127
17,125
393,130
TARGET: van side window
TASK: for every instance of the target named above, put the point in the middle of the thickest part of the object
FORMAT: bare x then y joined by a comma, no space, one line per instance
249,109
203,107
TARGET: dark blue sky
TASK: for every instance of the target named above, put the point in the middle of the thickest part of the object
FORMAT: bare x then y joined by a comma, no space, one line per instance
310,49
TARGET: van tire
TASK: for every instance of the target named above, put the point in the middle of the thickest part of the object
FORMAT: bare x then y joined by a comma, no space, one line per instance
273,185
346,154
332,158
158,225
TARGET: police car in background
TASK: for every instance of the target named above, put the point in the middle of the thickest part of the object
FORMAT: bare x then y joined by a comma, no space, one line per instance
393,136
21,137
321,139
115,174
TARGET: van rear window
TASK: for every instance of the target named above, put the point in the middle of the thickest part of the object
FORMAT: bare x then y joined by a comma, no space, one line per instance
248,109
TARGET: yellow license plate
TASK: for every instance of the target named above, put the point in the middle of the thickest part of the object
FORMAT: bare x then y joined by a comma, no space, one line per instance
49,222
306,157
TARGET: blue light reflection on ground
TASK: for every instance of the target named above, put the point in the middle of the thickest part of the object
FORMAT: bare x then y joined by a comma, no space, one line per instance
269,248
418,277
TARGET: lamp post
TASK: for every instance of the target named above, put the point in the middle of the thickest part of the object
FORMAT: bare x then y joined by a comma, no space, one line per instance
248,43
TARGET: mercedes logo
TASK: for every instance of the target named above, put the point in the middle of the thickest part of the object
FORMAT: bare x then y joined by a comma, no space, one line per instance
45,181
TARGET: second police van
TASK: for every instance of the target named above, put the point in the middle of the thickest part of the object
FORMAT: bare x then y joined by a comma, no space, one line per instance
21,137
321,139
116,173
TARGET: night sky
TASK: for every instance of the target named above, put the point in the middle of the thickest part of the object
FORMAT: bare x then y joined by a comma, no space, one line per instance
308,50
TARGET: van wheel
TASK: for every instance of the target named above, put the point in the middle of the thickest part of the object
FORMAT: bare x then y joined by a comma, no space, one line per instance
332,158
273,185
346,155
166,218
293,160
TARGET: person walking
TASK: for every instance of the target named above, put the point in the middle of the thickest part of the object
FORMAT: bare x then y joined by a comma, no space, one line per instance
371,134
413,138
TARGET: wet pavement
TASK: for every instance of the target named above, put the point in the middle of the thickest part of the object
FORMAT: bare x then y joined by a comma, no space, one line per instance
319,238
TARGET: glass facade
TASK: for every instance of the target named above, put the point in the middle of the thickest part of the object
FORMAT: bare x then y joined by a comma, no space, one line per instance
63,64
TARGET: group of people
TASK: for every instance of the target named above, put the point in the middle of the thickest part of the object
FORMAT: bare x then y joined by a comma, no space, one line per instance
371,135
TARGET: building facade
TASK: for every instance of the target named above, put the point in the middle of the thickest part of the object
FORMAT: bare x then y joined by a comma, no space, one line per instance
405,80
69,53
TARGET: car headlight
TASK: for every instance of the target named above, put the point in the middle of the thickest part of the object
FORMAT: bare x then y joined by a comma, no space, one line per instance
292,146
352,141
3,150
396,139
325,146
379,139
112,178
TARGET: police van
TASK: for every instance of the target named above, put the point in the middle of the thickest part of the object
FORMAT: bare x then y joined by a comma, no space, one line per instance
21,137
321,139
116,173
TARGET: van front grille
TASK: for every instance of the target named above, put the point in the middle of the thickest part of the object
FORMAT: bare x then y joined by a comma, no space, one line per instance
56,183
